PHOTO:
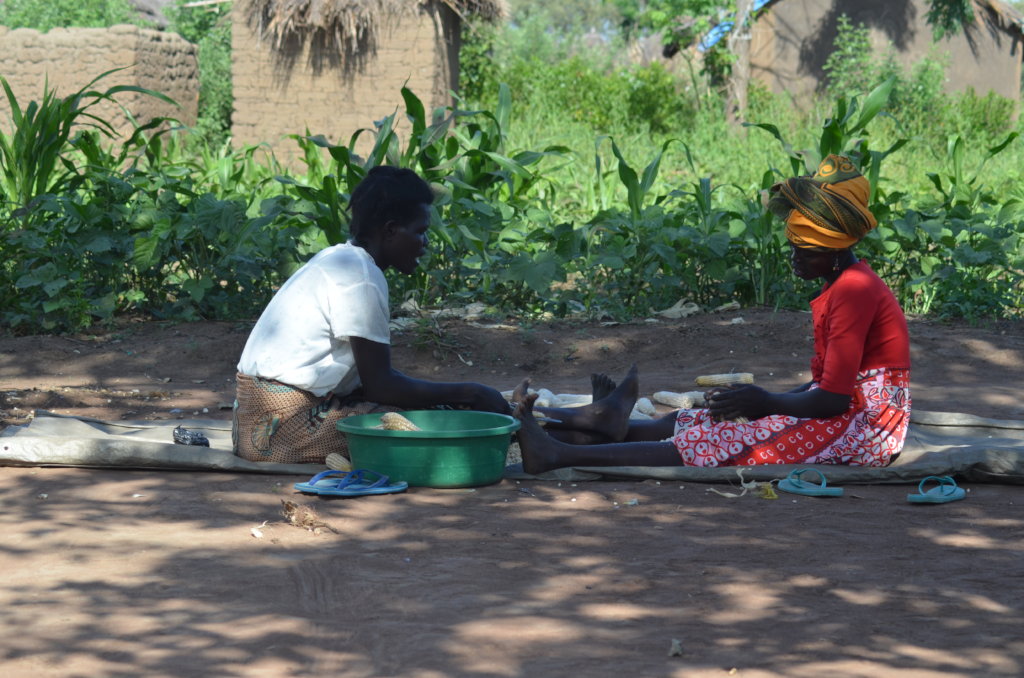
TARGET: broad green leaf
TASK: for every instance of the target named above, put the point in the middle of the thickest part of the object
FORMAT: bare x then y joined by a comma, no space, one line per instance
874,103
197,288
468,234
718,243
415,112
504,109
1000,147
144,254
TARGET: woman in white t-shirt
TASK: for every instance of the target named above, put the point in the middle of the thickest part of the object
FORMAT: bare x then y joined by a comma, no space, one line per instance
321,350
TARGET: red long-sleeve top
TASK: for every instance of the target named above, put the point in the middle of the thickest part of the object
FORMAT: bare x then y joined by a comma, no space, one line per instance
858,325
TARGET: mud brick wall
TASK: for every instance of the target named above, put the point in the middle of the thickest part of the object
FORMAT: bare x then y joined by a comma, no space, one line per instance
68,58
287,89
792,41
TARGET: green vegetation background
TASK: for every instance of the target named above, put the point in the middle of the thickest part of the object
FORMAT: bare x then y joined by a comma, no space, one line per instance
570,182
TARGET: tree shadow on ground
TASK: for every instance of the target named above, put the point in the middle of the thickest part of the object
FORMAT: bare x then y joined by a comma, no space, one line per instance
137,573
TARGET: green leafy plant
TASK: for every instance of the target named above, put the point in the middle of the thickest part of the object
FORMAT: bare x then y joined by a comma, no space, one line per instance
35,158
484,193
155,225
963,256
43,16
844,133
209,28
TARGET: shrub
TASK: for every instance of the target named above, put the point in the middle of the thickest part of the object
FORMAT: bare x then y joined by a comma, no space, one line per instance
655,99
43,16
209,27
988,116
917,99
852,66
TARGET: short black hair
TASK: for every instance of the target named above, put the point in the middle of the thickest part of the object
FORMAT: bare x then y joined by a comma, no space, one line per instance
386,194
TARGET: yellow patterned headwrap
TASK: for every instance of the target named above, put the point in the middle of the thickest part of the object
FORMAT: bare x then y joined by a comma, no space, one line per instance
828,210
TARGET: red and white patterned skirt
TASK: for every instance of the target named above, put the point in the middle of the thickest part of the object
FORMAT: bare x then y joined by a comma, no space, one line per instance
870,433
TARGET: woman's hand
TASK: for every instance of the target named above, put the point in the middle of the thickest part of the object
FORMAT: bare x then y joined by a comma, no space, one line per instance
748,401
487,399
753,402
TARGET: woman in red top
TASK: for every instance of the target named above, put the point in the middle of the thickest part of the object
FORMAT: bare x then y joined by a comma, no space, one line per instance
855,409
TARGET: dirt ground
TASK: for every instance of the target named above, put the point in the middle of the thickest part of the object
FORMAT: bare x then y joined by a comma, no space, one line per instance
141,573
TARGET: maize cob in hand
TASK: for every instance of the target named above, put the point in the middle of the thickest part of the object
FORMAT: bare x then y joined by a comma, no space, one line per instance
393,421
727,380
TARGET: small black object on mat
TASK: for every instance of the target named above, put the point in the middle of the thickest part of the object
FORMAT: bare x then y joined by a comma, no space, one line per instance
183,436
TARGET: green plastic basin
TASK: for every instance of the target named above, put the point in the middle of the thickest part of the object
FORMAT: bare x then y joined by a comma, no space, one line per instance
456,448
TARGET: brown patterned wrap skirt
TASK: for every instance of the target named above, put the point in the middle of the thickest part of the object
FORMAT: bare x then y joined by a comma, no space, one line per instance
280,423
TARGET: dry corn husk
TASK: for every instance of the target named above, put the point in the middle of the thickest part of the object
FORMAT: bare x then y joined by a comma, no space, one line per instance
645,406
514,454
546,398
573,400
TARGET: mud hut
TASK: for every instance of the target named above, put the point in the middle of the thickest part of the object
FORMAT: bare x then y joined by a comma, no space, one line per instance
792,39
335,66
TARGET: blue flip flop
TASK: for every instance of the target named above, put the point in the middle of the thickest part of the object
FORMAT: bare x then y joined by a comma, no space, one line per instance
794,484
350,484
945,490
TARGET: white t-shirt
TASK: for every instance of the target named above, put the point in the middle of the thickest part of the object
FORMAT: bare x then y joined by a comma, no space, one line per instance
302,337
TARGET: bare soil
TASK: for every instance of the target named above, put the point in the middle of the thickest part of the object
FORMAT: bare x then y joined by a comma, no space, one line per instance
132,573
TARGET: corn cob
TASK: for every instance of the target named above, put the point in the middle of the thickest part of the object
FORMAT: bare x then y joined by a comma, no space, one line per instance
680,401
337,462
393,421
725,379
645,406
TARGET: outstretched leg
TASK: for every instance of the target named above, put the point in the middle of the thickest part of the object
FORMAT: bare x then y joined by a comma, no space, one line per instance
543,453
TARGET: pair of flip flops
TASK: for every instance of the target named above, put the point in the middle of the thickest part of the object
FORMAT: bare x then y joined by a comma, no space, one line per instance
944,490
359,483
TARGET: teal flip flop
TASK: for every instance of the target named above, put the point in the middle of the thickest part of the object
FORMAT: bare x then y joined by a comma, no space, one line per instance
946,490
794,484
350,484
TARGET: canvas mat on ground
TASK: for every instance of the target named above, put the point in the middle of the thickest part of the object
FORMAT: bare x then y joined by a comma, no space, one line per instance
938,443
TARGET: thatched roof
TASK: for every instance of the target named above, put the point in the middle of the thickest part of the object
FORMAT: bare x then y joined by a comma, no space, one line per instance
1005,16
348,22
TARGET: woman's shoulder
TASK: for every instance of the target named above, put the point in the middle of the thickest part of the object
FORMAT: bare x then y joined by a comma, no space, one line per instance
346,261
859,275
340,252
856,284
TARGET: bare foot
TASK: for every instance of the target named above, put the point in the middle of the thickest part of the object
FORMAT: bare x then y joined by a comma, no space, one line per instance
540,451
601,386
609,416
519,394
